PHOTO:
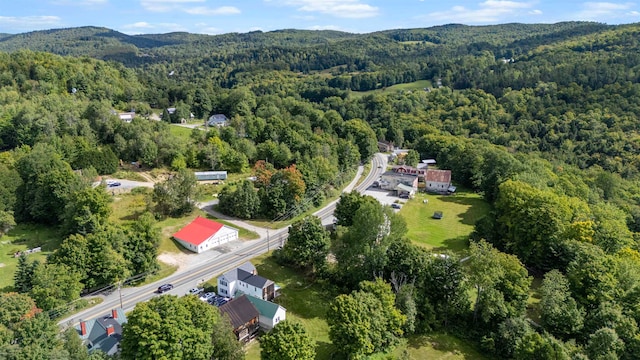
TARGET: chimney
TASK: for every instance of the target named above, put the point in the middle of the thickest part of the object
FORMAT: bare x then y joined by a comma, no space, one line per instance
83,328
110,330
114,313
254,272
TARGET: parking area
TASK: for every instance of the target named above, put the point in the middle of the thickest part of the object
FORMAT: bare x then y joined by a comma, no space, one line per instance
385,197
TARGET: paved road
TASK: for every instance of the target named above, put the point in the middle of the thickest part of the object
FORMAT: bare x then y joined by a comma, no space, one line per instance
220,262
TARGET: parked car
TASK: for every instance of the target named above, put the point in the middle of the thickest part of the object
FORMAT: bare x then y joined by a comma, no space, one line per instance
438,215
164,288
396,206
207,296
404,196
195,291
114,184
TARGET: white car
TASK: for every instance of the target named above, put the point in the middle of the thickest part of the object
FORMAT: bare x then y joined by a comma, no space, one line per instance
195,291
207,296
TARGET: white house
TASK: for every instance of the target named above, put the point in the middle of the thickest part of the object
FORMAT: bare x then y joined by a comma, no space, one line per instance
245,279
204,234
271,314
217,120
437,180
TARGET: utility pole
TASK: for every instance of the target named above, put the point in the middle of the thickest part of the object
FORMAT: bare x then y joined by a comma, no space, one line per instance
120,292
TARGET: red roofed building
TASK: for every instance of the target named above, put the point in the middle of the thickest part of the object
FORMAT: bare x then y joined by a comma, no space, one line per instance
204,234
437,180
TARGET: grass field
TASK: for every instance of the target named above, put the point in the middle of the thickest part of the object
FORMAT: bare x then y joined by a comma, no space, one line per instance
127,207
23,237
461,211
308,304
416,85
180,131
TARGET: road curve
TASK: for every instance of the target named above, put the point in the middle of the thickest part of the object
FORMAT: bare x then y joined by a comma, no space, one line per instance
183,281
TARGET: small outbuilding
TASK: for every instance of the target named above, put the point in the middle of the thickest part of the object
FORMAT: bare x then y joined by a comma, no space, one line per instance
210,175
204,234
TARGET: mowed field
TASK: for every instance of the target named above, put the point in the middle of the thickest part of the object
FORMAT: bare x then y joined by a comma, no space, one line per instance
412,86
460,213
24,237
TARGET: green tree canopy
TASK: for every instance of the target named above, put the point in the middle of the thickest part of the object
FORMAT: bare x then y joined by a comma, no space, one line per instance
169,327
287,341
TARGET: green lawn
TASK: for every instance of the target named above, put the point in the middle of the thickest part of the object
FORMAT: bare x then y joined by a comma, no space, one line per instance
23,237
460,212
416,85
305,304
180,131
439,347
128,206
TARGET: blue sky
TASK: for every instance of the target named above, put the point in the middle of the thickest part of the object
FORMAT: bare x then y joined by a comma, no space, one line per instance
223,16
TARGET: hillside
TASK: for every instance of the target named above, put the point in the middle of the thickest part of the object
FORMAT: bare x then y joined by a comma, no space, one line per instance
537,123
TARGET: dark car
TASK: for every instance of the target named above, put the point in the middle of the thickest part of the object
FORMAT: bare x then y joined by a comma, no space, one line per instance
164,288
114,184
437,215
396,206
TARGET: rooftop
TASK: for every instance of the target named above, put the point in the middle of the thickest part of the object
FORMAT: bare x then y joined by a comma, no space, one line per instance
198,231
240,311
443,176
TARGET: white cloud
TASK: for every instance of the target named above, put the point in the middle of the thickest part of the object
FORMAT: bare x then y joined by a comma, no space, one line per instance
145,27
339,8
325,27
535,12
165,5
203,10
487,12
603,10
138,25
29,22
633,13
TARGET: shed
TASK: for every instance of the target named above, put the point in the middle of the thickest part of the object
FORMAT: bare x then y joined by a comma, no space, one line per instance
210,175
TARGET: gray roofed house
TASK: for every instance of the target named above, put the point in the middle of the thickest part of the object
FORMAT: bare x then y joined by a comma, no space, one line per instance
245,279
217,120
103,333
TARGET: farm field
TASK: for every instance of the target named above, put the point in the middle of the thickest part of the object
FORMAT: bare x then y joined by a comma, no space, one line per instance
460,212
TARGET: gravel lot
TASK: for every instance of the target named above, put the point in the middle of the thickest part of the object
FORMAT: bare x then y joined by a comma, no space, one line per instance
385,197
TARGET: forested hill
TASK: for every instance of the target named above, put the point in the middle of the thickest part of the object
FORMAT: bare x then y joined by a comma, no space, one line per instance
107,44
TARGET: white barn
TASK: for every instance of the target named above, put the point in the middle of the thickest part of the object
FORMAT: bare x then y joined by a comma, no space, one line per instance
204,234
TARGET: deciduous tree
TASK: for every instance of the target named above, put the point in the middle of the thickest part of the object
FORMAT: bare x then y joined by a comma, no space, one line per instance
308,244
287,341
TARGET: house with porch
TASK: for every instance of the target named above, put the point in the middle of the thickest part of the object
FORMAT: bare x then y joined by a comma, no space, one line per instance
244,317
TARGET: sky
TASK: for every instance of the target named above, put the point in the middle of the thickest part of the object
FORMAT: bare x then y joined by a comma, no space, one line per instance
358,16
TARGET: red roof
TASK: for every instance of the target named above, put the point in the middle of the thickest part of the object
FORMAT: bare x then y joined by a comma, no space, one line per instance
441,176
198,231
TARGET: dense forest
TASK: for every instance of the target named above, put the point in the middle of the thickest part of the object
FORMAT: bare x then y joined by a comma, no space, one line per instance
542,120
